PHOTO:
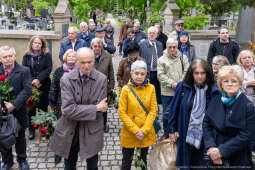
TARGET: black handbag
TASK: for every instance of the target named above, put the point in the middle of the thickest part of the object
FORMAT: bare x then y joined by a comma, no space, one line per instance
156,124
9,128
209,162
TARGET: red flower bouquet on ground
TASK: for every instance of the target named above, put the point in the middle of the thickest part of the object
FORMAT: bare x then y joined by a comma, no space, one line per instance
33,101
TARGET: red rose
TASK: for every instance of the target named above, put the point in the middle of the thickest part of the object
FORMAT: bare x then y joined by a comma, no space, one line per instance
2,78
44,130
36,126
47,137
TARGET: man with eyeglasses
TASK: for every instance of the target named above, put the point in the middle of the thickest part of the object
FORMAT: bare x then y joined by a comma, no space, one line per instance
179,27
172,67
224,46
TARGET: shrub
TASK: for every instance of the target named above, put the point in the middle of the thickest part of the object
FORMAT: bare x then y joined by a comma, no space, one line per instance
195,22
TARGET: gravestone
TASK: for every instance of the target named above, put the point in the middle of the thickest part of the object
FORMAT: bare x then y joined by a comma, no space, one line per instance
170,11
62,15
246,26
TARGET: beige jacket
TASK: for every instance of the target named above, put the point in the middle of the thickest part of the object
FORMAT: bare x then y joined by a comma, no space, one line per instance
170,71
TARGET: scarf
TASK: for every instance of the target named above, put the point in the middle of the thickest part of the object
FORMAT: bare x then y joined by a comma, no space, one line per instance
68,68
195,131
144,83
228,101
184,49
35,57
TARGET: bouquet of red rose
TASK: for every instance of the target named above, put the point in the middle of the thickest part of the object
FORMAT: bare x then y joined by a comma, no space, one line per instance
33,101
5,89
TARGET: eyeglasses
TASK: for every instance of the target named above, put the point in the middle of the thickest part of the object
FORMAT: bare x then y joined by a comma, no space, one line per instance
171,47
230,81
180,25
7,56
142,74
72,56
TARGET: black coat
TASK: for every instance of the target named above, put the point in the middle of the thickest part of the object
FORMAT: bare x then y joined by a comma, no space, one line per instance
20,80
231,50
163,39
227,129
42,73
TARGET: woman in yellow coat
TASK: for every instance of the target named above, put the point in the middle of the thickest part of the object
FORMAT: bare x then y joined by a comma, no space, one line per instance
137,130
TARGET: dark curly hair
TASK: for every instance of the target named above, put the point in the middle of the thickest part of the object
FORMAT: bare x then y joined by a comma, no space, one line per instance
189,79
132,47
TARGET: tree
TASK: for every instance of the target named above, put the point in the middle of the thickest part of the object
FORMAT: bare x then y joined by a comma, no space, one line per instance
186,5
39,5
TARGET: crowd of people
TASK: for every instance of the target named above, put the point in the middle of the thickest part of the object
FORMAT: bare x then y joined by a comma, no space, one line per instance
210,104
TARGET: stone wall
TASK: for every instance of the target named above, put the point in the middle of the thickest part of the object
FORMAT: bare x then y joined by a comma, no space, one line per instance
202,40
19,39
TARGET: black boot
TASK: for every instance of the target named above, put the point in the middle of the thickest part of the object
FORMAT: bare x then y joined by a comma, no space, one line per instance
31,133
57,159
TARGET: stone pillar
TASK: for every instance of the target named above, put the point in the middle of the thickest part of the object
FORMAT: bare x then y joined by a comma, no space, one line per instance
62,15
148,13
170,12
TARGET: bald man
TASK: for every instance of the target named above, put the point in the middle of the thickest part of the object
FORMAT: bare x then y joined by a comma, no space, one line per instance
81,128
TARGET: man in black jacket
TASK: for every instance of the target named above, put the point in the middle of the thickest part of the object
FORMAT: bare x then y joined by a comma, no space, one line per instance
224,46
19,78
108,44
161,36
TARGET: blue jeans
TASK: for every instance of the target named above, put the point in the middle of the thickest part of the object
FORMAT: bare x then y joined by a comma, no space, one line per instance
166,100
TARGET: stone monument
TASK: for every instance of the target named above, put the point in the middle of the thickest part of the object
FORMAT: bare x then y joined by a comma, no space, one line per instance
148,12
62,15
170,11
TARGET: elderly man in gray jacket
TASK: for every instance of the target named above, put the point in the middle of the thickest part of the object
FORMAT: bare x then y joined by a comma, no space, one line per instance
80,129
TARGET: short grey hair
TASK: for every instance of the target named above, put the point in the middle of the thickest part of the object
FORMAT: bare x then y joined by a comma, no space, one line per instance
171,41
84,50
7,48
153,29
138,64
97,41
221,59
74,28
83,24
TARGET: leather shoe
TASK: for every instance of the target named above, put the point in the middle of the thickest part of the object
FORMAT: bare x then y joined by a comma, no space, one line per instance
7,166
106,128
23,165
57,159
31,134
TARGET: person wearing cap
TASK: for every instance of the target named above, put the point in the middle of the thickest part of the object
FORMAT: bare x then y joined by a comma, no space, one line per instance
85,35
185,46
130,38
139,33
224,46
151,50
73,42
123,74
107,44
179,27
161,36
137,130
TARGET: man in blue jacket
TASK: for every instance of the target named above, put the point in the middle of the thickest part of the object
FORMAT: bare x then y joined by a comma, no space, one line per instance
73,42
107,43
85,35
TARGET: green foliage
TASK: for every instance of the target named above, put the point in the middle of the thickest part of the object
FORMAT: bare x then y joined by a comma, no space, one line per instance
39,5
139,163
195,22
81,9
155,18
157,4
186,5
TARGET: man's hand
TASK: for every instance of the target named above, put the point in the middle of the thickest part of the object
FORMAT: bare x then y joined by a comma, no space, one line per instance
36,83
102,106
172,137
214,154
62,111
174,85
10,107
251,82
139,135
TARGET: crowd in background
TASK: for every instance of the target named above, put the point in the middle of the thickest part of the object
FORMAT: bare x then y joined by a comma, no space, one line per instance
210,104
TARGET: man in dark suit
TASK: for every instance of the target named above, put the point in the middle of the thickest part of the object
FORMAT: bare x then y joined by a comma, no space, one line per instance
85,35
108,44
19,78
151,50
161,36
73,42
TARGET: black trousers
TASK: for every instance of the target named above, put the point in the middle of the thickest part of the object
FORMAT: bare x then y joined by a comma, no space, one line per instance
20,147
128,157
154,80
70,163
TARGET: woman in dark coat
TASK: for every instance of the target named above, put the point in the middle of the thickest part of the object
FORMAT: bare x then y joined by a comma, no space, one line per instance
227,121
39,61
186,113
185,46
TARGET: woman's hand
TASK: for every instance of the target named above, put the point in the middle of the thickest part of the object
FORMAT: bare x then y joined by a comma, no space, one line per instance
172,137
36,83
251,82
214,154
139,135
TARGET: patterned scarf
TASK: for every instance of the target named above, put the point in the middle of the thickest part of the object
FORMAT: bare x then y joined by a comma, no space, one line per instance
67,68
228,101
195,131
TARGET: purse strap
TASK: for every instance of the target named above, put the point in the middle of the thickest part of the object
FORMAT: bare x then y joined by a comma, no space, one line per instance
138,99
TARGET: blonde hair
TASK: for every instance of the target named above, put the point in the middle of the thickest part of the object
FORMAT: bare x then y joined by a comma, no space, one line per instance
242,53
44,44
230,70
70,51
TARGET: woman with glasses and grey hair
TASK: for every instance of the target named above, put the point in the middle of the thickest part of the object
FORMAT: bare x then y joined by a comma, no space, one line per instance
217,62
137,117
